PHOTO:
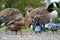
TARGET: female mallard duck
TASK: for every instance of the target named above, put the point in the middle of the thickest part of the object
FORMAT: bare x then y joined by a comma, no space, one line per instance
14,20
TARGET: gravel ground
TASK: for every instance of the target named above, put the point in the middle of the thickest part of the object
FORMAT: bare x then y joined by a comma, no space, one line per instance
30,36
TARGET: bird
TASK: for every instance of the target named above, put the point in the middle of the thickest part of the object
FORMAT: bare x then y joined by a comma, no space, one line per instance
10,15
1,22
45,14
37,27
51,9
14,20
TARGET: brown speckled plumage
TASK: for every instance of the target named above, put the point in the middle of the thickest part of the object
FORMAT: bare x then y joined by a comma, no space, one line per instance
15,19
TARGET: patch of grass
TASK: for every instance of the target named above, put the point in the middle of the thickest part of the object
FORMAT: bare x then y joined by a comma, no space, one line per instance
27,30
58,30
24,30
2,29
48,31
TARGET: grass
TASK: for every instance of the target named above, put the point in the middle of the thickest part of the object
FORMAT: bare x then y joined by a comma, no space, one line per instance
58,30
48,31
27,30
2,29
24,30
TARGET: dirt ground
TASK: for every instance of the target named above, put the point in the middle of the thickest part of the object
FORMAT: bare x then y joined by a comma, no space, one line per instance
30,36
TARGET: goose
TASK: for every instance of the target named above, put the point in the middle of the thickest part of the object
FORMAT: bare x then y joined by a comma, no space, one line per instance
53,13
